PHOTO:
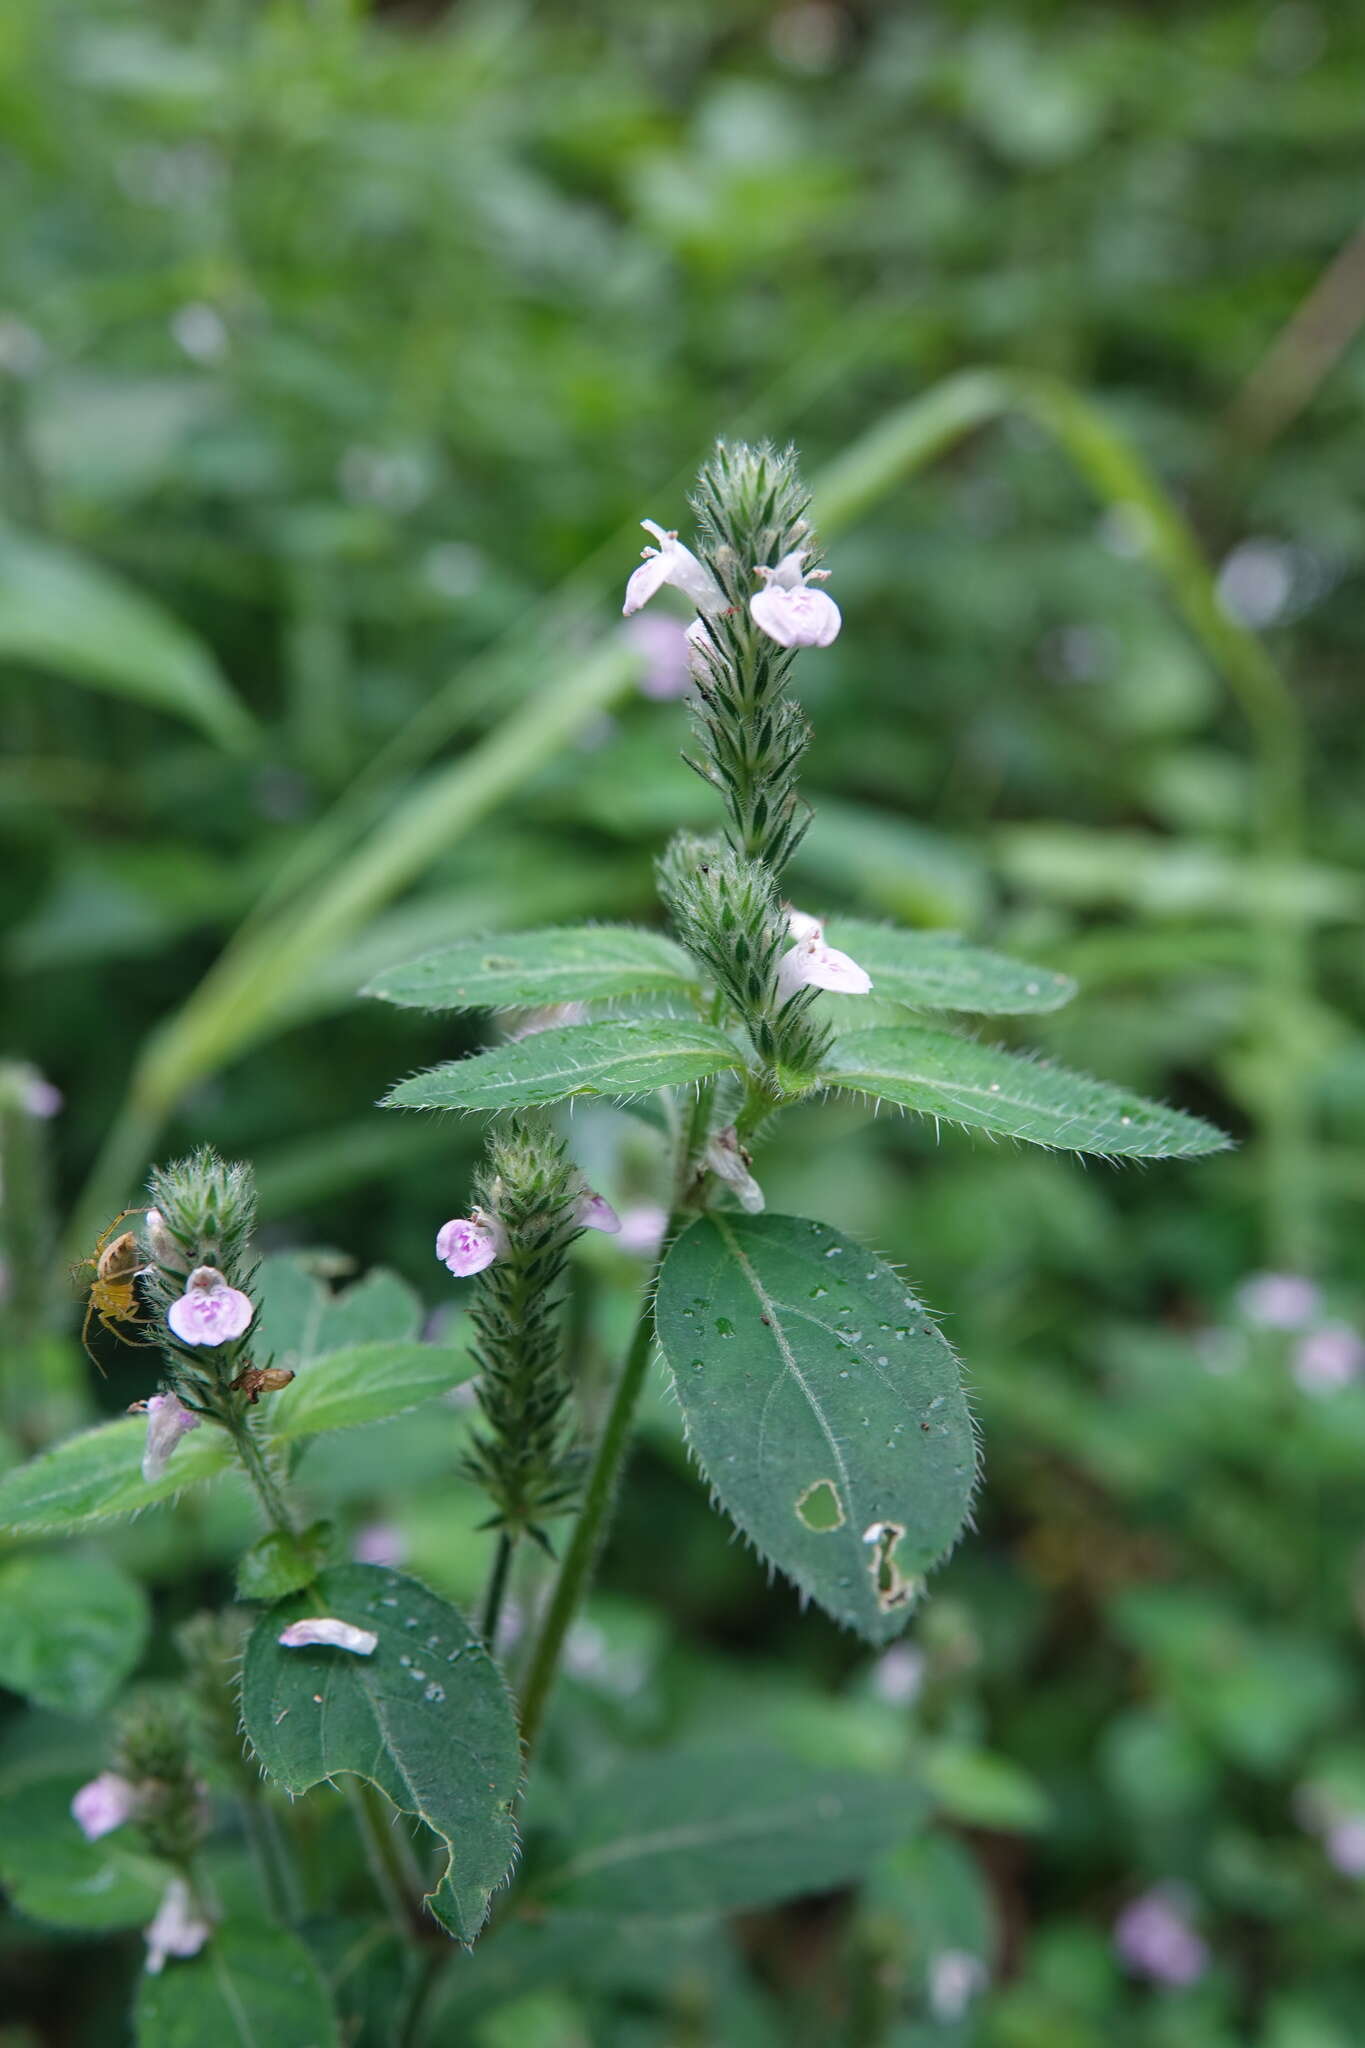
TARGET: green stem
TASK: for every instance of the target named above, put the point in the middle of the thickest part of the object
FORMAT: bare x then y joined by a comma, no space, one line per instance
370,1820
591,1528
258,1472
497,1588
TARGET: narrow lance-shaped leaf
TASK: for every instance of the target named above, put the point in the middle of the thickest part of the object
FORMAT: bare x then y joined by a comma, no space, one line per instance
702,1831
958,1081
824,1406
936,971
520,970
611,1058
426,1717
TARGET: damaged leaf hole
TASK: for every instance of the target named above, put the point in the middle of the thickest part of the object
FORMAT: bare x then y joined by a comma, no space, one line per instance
820,1507
892,1587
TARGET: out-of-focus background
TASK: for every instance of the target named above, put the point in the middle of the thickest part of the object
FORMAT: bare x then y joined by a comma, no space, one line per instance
341,348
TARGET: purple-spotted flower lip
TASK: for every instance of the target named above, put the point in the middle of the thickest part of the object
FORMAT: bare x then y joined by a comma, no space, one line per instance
673,563
788,610
209,1311
466,1244
596,1213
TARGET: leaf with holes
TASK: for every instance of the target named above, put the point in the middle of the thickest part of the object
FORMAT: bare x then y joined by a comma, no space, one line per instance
521,970
824,1406
250,1985
426,1718
720,1831
935,971
613,1058
985,1089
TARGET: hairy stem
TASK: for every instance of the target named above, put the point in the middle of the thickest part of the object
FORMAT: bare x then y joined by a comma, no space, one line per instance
497,1587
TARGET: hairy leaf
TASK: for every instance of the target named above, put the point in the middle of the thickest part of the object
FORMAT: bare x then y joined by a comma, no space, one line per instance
97,1473
824,1406
343,1389
73,1629
250,1987
960,1082
701,1831
427,1718
611,1058
301,1317
935,971
520,970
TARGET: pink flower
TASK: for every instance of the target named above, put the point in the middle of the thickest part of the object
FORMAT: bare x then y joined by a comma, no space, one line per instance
1278,1301
179,1929
727,1159
379,1543
813,964
209,1311
666,645
41,1098
327,1631
596,1213
955,1977
103,1805
469,1243
1153,1938
789,611
671,563
1327,1359
168,1419
1344,1842
898,1675
162,1245
643,1227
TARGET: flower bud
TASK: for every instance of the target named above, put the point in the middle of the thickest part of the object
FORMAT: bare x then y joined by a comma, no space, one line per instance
168,1419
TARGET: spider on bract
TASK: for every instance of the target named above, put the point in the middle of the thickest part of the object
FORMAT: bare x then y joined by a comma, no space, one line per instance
113,1291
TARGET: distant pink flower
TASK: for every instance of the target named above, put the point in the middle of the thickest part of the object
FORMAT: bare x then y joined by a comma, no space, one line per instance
666,645
1344,1841
41,1098
469,1243
1328,1359
168,1419
179,1929
379,1543
209,1311
103,1805
955,1977
643,1227
813,964
596,1213
898,1675
325,1631
1153,1938
1278,1301
671,563
789,611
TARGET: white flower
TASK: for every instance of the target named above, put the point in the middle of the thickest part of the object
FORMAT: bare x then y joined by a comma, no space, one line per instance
168,1419
209,1311
104,1804
955,1977
327,1631
596,1213
813,964
672,563
179,1929
789,611
729,1162
469,1243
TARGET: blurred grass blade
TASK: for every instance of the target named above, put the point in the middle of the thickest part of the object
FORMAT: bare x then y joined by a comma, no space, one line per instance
62,613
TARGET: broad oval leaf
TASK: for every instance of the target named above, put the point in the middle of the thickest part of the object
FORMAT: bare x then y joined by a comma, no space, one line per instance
98,1473
249,1986
301,1317
701,1831
824,1406
521,970
427,1718
985,1089
51,1873
611,1058
935,971
343,1389
62,613
74,1627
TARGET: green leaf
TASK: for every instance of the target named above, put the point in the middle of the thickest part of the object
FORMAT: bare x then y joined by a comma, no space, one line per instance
98,1473
248,1987
687,1832
52,1873
823,1406
280,1563
958,1081
982,1790
345,1388
301,1317
62,613
572,964
427,1718
935,971
74,1627
579,1059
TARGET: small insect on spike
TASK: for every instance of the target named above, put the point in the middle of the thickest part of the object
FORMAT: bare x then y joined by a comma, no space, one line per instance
113,1300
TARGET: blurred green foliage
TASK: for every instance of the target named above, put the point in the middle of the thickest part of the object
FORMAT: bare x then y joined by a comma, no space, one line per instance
339,353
